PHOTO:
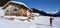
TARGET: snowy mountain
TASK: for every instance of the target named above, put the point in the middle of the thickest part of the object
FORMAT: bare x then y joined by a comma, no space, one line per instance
58,13
52,13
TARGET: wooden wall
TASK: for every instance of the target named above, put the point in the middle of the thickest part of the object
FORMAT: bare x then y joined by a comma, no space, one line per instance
24,11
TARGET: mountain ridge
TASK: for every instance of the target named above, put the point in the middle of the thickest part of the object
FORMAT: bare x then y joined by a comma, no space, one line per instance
57,14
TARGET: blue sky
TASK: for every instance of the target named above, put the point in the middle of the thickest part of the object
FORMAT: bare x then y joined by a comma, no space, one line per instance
44,5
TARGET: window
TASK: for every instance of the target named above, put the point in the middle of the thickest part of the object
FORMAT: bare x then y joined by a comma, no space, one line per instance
7,10
15,9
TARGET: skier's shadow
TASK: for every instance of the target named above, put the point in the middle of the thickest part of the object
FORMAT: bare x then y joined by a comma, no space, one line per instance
45,25
42,24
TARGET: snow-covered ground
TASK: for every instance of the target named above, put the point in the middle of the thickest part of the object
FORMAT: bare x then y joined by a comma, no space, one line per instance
38,22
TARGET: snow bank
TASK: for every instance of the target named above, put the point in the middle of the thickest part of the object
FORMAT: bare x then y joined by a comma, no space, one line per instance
21,18
35,14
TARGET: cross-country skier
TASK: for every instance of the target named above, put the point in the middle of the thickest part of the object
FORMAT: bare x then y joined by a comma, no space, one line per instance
51,19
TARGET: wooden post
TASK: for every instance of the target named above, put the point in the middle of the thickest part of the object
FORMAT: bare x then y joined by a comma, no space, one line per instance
30,14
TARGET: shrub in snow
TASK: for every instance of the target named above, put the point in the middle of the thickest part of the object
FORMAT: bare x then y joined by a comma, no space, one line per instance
9,17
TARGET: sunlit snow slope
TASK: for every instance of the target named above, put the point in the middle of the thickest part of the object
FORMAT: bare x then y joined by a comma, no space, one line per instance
38,22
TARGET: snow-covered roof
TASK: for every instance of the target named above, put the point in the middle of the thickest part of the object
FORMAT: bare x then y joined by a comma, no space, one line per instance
21,3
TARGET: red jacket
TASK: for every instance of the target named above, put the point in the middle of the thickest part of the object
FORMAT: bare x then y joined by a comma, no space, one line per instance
51,19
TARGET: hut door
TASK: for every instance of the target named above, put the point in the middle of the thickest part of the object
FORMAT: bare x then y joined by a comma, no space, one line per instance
24,12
